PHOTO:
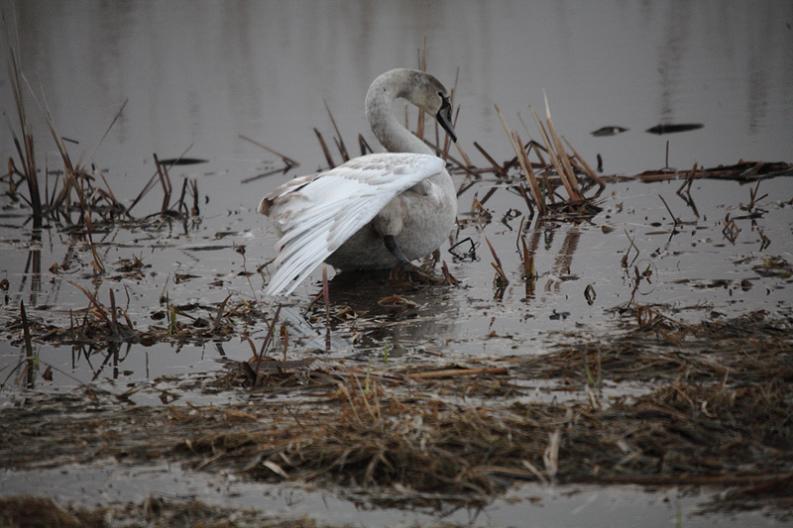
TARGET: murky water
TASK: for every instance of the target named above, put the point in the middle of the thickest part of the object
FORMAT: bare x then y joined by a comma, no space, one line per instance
563,506
198,74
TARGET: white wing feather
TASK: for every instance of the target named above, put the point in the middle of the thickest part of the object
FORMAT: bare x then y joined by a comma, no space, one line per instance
316,214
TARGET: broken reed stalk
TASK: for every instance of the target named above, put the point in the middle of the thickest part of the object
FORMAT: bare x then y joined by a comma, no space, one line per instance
524,193
180,205
325,150
326,298
286,159
632,246
558,156
25,151
265,344
463,154
99,267
449,279
527,259
499,170
165,181
221,312
675,219
110,194
365,148
584,165
143,192
527,169
28,341
458,372
529,271
569,174
70,178
345,156
501,277
113,316
684,191
517,146
194,211
422,60
490,192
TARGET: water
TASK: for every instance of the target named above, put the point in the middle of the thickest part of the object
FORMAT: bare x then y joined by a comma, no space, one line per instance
564,506
196,75
199,74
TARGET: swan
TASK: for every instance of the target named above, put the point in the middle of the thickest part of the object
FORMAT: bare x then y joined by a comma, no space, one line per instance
373,212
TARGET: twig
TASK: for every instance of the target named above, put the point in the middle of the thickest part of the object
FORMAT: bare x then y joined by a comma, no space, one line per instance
458,372
340,143
501,277
517,146
675,219
28,341
165,181
325,149
265,344
498,168
286,159
326,299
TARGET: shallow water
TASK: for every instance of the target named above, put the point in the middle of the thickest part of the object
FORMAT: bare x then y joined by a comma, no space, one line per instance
696,273
197,75
563,506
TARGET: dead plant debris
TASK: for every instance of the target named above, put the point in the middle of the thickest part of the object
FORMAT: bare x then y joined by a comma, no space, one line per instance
157,512
719,415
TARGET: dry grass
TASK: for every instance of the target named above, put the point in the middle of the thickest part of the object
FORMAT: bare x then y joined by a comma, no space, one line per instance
717,414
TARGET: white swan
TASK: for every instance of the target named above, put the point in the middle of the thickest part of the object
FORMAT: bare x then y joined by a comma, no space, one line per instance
375,211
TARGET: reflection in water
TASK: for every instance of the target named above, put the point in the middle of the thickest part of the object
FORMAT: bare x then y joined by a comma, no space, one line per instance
758,66
111,357
198,75
671,54
434,317
564,259
33,268
529,252
29,351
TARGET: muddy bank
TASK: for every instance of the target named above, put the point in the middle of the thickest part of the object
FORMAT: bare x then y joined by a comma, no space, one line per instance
714,411
23,511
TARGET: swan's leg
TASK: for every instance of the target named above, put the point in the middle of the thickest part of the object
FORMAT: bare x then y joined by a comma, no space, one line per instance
405,264
393,248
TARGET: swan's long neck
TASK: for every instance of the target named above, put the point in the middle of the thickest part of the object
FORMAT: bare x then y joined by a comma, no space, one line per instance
391,134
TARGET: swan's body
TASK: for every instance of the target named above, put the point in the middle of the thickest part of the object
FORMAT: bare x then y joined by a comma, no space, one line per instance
373,211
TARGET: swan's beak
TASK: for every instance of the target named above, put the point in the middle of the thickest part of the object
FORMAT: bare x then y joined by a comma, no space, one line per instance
444,117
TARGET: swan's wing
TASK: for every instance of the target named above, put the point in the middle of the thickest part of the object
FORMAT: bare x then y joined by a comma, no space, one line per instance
316,214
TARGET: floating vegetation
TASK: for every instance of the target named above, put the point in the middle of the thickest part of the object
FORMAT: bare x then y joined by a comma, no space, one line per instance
673,128
609,131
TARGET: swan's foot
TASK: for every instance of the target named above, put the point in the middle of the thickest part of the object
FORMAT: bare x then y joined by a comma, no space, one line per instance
406,267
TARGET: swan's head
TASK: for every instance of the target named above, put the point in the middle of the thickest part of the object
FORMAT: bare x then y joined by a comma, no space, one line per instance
427,92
